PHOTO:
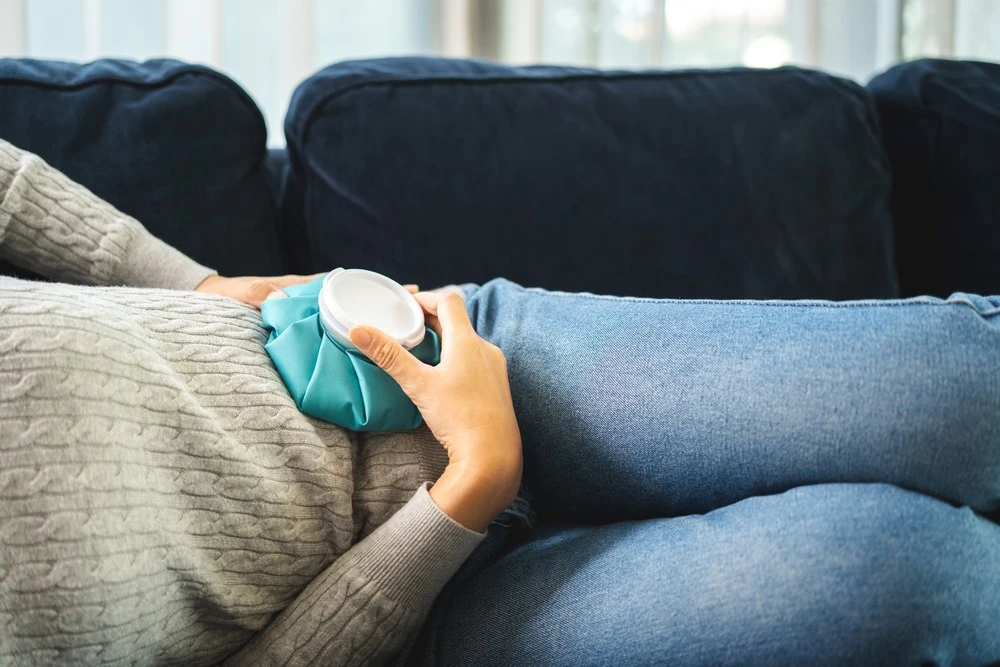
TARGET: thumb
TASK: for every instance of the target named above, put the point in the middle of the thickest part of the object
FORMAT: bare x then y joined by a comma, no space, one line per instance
387,354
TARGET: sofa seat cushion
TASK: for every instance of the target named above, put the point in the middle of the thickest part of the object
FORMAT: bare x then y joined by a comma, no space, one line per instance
719,184
179,147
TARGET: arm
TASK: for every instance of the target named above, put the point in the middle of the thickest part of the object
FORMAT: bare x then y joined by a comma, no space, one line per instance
368,604
370,601
466,403
62,231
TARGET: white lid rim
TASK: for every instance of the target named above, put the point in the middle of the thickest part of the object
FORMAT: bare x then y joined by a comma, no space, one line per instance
337,323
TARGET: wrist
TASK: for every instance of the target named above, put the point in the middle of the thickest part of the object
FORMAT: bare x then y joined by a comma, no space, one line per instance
473,494
209,282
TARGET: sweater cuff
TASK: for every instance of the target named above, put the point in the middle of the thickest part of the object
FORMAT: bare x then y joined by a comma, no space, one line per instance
150,262
420,549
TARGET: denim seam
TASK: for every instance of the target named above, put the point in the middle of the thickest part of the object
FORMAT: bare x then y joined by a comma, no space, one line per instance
773,304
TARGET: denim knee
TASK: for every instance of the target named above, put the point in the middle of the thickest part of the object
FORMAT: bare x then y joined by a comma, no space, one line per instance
827,574
692,405
896,576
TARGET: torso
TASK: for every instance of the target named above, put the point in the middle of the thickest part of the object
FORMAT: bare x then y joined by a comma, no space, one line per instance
161,497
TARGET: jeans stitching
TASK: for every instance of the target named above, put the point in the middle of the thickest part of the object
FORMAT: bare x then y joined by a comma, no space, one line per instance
869,303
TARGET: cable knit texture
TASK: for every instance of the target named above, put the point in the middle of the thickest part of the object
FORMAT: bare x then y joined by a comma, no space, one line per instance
162,501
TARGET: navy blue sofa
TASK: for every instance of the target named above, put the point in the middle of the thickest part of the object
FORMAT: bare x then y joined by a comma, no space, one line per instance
731,183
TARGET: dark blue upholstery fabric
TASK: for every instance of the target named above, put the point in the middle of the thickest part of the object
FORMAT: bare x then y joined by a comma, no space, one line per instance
725,184
180,147
276,165
941,125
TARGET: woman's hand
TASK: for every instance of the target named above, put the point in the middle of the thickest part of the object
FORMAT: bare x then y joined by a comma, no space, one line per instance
466,403
255,290
251,290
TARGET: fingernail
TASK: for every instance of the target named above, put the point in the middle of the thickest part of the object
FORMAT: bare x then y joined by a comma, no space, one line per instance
276,294
360,337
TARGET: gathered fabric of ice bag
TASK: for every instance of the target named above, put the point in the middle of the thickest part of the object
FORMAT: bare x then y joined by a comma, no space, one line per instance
327,376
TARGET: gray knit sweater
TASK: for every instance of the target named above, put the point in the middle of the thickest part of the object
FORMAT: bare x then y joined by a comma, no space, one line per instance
162,500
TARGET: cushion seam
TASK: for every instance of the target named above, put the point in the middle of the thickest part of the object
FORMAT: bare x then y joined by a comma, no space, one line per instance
920,102
325,99
310,115
939,111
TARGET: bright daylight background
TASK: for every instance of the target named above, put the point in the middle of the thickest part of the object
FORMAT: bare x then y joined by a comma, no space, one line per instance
269,46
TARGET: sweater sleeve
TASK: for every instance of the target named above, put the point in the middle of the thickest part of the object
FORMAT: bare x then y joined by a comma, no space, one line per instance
60,230
364,608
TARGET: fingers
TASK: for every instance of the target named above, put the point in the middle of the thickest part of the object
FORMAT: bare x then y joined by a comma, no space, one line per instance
275,294
428,302
450,310
433,322
445,314
412,289
287,281
259,291
388,355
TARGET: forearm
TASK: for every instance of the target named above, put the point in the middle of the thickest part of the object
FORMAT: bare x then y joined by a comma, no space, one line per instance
365,606
62,231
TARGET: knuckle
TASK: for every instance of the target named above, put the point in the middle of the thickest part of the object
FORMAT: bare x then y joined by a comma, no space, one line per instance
387,356
258,288
380,352
450,297
452,300
495,352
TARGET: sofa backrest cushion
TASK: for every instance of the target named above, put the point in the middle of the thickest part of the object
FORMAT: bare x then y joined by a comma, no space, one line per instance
719,184
941,123
180,147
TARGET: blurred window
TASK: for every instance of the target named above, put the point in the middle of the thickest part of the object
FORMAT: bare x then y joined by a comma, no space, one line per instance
269,46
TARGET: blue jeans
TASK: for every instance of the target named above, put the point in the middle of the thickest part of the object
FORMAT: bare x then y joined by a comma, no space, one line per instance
740,483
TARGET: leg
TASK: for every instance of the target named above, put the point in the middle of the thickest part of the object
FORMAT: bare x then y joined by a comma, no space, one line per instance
633,408
827,574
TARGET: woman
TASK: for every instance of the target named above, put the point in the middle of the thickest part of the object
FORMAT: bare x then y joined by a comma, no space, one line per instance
162,500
